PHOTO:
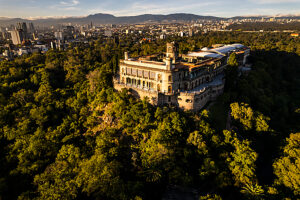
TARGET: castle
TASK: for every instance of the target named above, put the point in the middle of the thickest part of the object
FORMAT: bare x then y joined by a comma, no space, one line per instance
188,81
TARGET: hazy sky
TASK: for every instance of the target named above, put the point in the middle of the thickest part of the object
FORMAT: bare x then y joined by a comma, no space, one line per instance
226,8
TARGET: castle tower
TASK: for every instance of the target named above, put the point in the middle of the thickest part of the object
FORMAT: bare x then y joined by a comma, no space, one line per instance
126,55
168,63
172,51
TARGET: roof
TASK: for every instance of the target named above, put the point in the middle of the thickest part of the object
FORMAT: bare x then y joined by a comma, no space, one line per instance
227,48
205,54
216,52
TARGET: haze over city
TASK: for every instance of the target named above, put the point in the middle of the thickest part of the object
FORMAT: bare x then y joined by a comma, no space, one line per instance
54,8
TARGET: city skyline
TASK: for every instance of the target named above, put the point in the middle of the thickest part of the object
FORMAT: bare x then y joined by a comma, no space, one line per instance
33,9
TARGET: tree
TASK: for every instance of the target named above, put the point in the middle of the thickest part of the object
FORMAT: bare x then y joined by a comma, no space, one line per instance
58,180
210,197
248,118
100,175
232,60
287,167
241,161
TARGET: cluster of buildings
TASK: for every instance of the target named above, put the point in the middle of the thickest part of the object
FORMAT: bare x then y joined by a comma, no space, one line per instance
24,38
188,81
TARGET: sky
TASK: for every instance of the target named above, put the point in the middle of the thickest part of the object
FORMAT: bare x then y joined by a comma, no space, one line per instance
225,8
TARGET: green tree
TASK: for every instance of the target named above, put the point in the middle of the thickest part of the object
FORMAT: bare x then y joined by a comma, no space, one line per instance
232,60
58,180
287,168
241,161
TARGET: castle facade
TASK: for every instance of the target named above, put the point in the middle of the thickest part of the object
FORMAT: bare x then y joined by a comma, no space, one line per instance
187,81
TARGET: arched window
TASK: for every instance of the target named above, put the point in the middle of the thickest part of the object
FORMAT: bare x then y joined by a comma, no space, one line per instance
158,87
158,77
186,86
170,89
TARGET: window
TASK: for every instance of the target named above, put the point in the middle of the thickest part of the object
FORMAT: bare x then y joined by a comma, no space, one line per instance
170,89
122,70
140,73
188,101
146,74
158,87
186,86
170,78
152,75
128,71
151,85
134,71
158,77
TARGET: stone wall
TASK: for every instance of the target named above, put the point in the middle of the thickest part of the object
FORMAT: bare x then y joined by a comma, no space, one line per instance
184,100
196,101
140,93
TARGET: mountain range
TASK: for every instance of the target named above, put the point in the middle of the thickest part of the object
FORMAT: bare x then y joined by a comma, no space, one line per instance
101,18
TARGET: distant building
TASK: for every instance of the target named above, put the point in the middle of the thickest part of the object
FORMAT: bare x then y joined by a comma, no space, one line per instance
17,36
191,32
7,54
187,81
162,36
31,27
108,33
59,36
272,19
23,26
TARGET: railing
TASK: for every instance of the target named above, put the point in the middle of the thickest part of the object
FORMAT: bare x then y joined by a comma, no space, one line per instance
137,87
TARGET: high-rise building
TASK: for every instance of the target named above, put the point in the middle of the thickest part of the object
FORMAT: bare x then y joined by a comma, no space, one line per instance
22,26
59,36
70,29
31,27
17,36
